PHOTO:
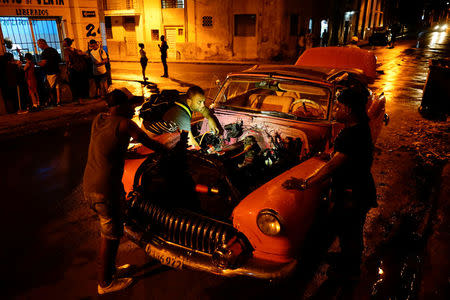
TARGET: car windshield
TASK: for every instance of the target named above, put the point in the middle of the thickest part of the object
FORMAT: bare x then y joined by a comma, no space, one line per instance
288,97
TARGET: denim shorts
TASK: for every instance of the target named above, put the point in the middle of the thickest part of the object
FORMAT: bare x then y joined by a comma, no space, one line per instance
109,214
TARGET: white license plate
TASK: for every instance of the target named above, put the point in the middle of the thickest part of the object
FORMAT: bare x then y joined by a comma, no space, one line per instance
165,259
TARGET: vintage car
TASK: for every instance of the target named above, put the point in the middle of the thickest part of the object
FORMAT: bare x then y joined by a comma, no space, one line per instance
223,209
381,36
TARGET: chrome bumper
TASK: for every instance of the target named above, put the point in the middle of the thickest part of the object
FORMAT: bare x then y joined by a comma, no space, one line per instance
158,248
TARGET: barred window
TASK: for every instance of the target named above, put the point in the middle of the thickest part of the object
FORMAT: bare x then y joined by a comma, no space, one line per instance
108,27
155,34
207,21
180,31
172,3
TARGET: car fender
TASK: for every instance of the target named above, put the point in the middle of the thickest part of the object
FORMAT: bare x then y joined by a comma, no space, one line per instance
296,209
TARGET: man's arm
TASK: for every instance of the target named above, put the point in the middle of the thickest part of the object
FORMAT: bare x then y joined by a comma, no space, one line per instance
321,175
191,141
140,136
213,126
42,63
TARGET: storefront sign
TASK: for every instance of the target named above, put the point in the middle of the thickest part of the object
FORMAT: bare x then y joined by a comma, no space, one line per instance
88,13
33,2
32,12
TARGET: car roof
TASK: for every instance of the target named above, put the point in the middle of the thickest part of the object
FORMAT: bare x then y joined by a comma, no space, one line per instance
321,74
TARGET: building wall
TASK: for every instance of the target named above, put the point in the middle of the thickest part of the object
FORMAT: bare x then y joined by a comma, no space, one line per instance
194,41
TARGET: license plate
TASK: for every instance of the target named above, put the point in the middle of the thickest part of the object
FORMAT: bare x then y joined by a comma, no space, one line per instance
165,259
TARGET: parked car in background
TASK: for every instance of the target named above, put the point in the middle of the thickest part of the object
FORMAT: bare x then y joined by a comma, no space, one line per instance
381,36
223,209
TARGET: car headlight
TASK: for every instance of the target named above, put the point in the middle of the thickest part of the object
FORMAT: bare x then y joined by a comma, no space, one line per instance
269,222
443,27
436,27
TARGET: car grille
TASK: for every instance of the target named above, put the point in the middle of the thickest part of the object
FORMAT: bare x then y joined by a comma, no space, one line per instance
181,227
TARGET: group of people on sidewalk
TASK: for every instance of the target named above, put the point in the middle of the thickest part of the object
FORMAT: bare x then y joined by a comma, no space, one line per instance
29,85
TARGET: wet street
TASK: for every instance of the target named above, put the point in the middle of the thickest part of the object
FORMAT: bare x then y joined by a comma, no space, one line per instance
50,234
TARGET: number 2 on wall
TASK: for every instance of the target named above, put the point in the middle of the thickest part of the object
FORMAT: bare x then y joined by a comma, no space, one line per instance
91,30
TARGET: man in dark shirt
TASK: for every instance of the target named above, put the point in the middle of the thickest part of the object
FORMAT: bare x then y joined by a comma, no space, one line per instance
163,48
352,182
178,117
102,181
50,60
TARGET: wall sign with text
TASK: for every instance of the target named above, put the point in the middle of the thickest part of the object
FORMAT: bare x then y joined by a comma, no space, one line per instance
88,13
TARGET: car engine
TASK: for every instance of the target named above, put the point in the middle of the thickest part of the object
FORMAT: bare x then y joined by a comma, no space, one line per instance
214,179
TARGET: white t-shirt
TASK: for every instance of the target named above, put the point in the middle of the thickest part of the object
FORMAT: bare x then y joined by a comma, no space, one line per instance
97,56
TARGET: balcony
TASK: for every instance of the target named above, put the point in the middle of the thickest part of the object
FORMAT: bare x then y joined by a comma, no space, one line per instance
121,7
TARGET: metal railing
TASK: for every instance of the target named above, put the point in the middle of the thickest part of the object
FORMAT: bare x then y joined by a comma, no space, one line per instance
119,4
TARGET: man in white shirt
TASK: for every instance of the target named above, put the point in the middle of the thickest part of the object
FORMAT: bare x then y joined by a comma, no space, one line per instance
99,59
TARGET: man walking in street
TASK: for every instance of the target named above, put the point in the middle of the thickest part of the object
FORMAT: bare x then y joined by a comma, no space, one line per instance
99,60
163,48
102,181
50,60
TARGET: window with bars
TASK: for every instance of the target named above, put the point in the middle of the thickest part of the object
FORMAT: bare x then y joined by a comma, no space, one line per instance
108,27
119,4
207,21
155,34
25,32
172,3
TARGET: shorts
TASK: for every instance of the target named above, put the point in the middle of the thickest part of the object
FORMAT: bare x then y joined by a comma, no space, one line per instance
100,78
144,61
53,80
109,214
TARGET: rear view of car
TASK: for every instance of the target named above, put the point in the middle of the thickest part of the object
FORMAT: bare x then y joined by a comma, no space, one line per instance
381,36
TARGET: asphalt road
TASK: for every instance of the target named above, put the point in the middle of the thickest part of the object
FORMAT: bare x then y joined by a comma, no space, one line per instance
49,235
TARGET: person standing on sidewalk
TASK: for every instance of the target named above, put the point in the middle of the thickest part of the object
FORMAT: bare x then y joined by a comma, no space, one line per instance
325,38
352,182
143,60
102,181
77,69
163,48
99,61
50,60
30,78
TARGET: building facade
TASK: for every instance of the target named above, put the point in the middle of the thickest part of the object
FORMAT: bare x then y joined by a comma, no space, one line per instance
211,30
358,18
23,22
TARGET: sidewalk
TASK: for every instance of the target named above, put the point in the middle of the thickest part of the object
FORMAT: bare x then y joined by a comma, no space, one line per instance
14,125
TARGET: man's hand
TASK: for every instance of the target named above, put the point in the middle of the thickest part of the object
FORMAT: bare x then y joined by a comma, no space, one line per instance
213,127
296,184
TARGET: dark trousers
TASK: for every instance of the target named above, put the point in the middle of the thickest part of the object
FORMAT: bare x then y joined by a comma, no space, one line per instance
348,217
79,84
164,62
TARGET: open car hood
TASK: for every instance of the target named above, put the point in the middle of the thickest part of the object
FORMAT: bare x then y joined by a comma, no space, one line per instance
340,58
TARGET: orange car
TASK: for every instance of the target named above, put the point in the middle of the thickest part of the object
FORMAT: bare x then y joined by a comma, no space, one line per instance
223,209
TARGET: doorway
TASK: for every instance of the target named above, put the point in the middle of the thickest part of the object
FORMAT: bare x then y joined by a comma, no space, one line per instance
171,39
